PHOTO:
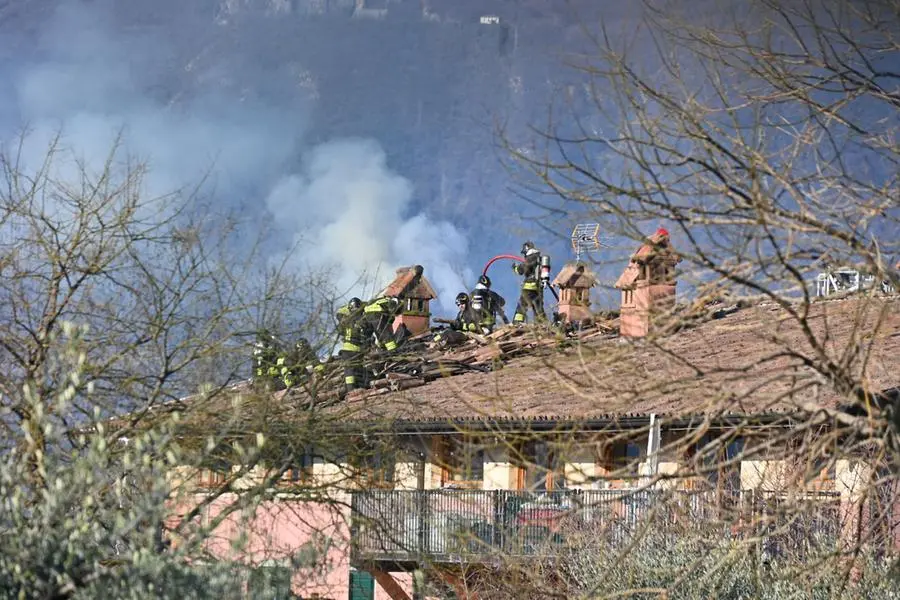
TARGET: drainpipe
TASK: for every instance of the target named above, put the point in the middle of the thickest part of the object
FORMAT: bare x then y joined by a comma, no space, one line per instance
652,463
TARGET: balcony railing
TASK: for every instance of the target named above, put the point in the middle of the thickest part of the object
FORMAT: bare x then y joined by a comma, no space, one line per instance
481,526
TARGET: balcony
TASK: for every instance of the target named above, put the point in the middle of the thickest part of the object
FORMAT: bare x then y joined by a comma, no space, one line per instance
457,526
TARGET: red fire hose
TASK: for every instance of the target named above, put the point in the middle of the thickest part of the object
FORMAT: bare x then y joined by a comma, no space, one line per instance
513,257
498,257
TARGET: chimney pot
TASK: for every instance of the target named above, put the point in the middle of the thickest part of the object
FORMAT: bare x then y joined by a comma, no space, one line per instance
648,286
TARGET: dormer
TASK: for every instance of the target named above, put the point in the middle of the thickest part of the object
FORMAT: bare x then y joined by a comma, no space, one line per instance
647,284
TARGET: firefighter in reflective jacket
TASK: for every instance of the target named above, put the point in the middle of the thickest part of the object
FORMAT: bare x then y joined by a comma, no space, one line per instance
299,365
265,356
487,305
355,340
465,320
380,314
532,296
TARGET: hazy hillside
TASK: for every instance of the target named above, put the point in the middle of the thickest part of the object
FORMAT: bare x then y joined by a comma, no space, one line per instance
423,78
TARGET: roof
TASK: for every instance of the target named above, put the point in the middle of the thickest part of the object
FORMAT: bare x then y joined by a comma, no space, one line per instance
752,361
575,274
629,276
404,278
657,244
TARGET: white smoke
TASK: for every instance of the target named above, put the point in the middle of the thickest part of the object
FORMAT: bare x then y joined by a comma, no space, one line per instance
89,85
350,212
350,209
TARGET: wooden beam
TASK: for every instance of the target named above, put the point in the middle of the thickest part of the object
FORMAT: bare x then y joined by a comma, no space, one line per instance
459,585
389,584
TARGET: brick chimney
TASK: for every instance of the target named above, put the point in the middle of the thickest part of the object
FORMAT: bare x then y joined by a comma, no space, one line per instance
415,294
575,281
647,284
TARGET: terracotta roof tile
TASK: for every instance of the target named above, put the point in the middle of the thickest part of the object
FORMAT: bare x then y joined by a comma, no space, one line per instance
575,274
628,277
404,277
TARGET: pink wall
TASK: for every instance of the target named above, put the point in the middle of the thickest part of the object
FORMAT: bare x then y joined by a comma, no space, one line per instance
279,529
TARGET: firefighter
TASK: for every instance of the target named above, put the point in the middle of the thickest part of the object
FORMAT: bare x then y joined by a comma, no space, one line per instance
487,305
532,295
265,357
299,364
380,314
465,320
355,341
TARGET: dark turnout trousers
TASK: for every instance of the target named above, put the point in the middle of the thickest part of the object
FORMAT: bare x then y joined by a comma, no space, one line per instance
532,300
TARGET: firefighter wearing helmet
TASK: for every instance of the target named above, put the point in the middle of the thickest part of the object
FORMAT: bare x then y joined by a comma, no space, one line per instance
532,294
465,321
265,356
487,305
355,338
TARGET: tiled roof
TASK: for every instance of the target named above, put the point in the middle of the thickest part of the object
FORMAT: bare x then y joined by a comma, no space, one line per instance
657,245
752,361
654,244
629,276
405,275
575,274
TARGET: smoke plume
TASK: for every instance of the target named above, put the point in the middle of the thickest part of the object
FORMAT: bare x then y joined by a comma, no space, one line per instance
350,212
93,82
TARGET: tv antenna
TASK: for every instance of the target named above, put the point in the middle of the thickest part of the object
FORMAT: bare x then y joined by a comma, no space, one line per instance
586,238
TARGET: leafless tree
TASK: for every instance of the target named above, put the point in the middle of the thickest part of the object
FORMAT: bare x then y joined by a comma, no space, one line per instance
125,315
764,137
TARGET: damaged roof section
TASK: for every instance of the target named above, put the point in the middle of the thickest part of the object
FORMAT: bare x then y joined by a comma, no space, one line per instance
746,361
752,361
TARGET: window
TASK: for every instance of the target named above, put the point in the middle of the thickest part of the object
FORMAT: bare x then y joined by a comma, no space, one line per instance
540,467
621,459
300,471
462,462
212,476
627,297
719,461
625,455
373,465
362,585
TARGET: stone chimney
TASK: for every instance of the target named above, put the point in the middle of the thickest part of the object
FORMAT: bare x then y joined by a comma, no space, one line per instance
647,284
415,294
575,281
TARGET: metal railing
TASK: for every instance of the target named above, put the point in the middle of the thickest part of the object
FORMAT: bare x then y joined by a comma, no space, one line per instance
481,525
792,525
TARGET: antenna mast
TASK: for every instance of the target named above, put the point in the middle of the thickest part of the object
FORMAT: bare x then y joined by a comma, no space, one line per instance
586,238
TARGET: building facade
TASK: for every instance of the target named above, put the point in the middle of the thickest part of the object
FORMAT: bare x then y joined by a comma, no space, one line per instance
430,482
